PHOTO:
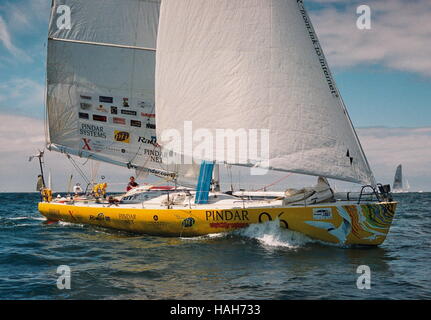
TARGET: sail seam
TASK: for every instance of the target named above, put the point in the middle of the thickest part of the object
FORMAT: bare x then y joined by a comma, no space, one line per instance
103,44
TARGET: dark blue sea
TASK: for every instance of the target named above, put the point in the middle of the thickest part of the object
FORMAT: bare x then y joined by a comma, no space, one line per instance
262,262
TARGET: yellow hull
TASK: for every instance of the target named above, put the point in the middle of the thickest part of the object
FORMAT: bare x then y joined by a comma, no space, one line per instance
365,224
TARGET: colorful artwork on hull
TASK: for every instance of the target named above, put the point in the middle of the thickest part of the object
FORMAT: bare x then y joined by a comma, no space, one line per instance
365,222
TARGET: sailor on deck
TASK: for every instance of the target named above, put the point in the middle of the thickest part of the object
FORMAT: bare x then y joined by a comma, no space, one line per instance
132,184
77,190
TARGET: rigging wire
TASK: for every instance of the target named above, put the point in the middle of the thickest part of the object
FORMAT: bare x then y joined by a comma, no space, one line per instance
78,169
274,183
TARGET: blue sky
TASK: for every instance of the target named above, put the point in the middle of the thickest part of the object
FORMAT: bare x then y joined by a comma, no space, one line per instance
377,96
384,74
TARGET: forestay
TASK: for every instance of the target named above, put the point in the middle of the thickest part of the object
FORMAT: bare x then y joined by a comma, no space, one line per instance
255,64
100,86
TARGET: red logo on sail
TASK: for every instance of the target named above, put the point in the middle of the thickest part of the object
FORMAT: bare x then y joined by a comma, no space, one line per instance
86,144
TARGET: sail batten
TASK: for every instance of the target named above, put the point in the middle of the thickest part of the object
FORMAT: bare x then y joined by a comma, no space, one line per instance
255,65
102,44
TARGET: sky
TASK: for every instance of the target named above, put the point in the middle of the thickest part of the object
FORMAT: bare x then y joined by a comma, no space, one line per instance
384,75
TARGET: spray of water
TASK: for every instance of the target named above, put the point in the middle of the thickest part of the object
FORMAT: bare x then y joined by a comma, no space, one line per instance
270,234
209,236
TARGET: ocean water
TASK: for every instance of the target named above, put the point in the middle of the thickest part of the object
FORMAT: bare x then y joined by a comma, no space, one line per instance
261,262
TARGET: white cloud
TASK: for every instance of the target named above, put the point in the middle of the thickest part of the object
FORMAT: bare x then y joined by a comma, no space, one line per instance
21,137
399,39
19,18
386,148
23,96
5,39
20,133
23,15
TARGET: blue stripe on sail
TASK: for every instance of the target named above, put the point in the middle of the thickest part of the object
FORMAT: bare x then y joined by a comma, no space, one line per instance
204,182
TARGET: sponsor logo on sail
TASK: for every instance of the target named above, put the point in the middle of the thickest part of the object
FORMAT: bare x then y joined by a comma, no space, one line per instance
151,126
126,102
148,115
100,118
154,155
136,123
93,145
119,120
86,106
101,108
114,110
84,116
122,136
106,99
86,144
92,130
85,97
152,141
113,149
129,112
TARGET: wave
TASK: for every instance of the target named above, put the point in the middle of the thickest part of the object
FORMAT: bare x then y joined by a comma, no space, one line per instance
206,237
270,234
27,218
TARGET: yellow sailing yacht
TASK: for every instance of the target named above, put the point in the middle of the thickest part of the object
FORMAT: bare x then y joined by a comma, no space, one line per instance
176,88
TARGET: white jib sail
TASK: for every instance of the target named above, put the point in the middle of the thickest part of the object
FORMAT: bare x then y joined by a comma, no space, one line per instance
255,64
100,81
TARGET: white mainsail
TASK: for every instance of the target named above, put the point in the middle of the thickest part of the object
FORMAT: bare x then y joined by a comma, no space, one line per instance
100,81
255,64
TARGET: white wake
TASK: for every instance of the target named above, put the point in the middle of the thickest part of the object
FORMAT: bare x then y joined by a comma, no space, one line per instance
270,234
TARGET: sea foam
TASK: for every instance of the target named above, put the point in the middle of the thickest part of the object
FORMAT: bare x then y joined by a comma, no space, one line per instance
270,234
